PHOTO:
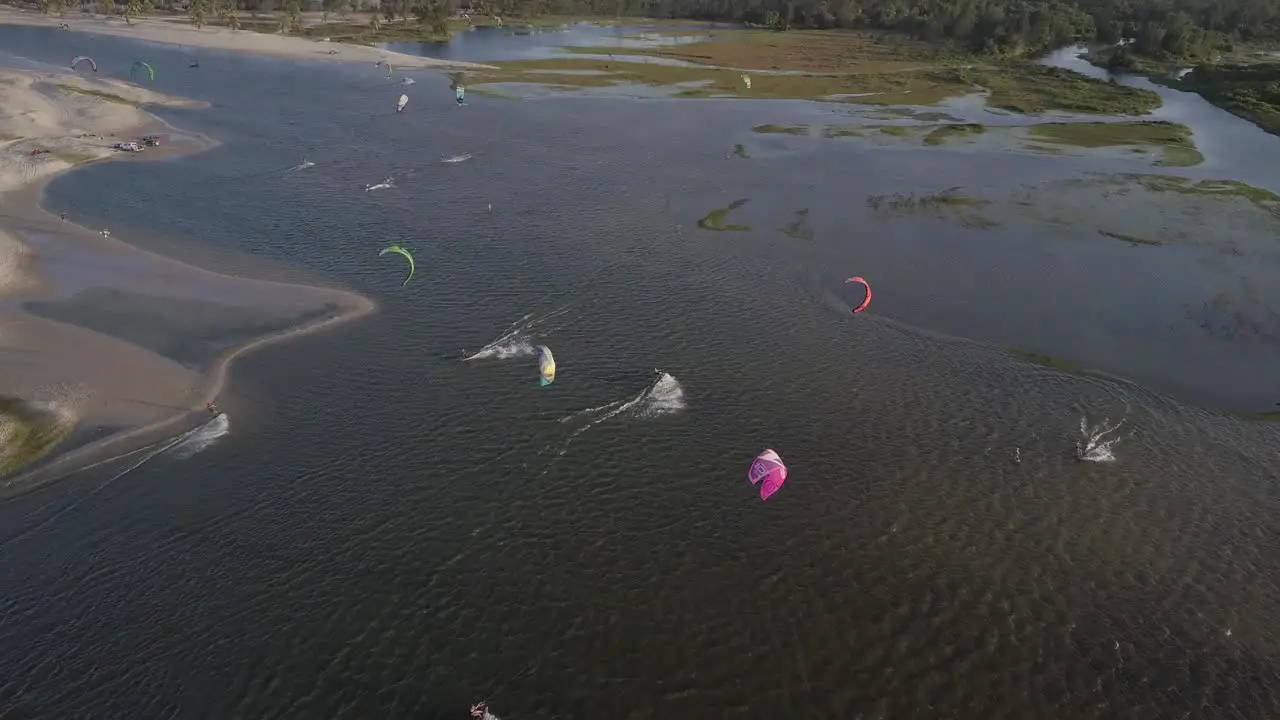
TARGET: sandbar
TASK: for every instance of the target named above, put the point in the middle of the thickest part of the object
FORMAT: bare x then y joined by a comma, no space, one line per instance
176,31
87,321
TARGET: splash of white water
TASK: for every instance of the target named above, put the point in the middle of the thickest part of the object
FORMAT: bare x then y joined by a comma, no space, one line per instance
1094,445
517,341
664,397
203,436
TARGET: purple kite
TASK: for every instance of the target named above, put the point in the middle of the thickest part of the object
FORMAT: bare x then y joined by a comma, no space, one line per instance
769,468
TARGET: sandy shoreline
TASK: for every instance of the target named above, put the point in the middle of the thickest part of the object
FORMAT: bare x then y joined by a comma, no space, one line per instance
176,32
50,123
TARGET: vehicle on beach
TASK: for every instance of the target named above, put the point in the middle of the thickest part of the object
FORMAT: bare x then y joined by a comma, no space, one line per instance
127,147
151,140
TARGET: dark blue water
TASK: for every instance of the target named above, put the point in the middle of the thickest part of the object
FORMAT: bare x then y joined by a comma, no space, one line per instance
388,531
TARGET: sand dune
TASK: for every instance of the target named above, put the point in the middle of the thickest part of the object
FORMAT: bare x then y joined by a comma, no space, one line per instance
175,31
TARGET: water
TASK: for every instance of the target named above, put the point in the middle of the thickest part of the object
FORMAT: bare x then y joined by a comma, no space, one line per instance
490,44
391,529
1232,146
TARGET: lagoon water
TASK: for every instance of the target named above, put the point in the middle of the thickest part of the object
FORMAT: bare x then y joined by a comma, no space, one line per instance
387,531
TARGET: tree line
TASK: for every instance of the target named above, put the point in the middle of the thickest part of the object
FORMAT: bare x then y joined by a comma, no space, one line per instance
1160,29
1173,29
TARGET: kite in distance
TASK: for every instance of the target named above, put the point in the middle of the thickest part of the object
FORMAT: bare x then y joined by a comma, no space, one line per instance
400,251
865,302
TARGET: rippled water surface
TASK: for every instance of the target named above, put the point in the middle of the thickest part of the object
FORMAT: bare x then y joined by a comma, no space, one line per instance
385,530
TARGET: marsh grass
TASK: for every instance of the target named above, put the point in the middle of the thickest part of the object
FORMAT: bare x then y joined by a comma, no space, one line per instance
715,220
940,135
1028,88
781,129
949,201
1174,139
837,66
1264,199
1131,239
29,434
910,202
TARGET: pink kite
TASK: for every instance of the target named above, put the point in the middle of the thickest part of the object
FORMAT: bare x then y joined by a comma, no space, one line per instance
865,303
769,468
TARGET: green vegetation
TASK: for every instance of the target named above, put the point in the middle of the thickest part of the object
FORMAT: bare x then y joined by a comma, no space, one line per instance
927,134
910,202
782,129
27,433
1159,29
867,68
700,82
1132,239
941,135
100,94
422,28
1252,92
1264,199
715,220
856,46
806,51
1028,88
950,200
839,131
1174,139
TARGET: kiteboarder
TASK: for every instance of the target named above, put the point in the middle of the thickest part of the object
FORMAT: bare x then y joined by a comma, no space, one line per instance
479,710
657,372
213,409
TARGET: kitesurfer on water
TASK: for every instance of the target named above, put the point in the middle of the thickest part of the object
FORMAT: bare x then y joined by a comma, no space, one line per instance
213,409
479,710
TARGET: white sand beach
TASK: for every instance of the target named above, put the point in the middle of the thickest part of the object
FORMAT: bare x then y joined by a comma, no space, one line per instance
176,31
51,122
